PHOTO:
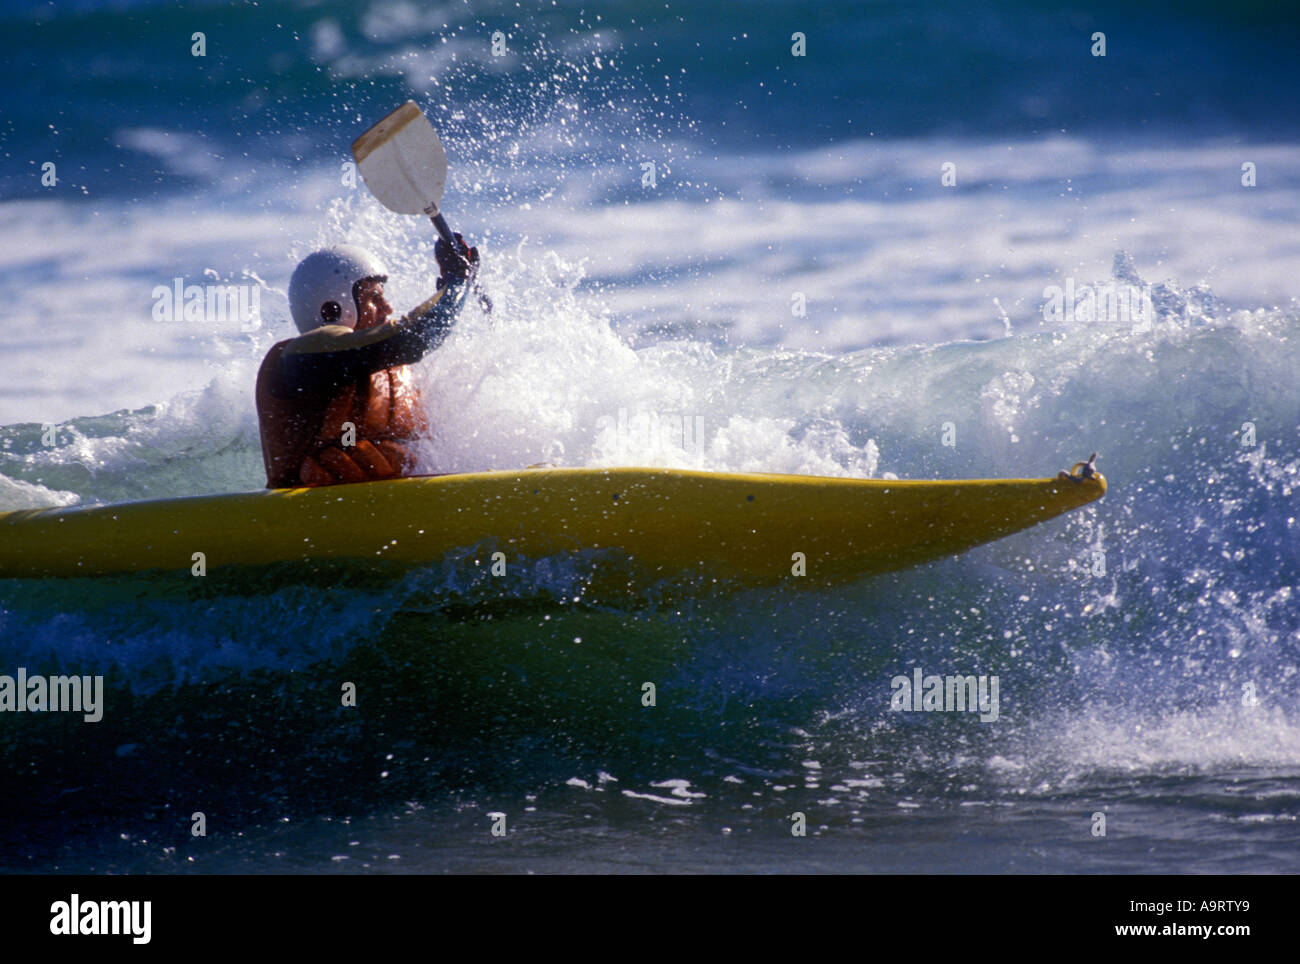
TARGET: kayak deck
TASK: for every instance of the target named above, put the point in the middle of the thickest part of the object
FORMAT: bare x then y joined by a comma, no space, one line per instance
744,528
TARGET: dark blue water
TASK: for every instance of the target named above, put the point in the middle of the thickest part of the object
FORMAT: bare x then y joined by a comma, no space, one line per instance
284,82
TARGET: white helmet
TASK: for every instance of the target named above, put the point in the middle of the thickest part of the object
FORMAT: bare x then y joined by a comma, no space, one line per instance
330,275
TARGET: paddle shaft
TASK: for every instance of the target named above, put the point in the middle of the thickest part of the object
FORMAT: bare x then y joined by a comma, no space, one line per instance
444,229
445,232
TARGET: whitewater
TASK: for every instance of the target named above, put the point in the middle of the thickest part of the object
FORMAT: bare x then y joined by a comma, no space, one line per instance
1147,646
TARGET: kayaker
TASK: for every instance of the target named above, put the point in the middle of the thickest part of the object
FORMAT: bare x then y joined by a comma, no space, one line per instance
338,403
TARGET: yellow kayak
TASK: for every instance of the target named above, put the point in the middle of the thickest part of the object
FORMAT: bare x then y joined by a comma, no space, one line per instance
749,529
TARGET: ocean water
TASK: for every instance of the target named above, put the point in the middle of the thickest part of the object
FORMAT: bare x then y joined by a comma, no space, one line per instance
1146,646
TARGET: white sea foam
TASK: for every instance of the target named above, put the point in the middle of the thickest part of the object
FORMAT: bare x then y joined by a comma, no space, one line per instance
881,252
1120,740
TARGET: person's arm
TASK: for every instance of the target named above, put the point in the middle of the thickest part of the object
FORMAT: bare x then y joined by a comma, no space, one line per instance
322,360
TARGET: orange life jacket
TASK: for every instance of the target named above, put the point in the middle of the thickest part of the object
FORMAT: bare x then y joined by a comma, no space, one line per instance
387,417
303,442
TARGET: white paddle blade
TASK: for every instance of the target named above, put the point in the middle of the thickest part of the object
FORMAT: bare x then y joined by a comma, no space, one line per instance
403,162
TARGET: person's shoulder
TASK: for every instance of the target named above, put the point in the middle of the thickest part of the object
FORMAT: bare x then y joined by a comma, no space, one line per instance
274,351
324,338
269,371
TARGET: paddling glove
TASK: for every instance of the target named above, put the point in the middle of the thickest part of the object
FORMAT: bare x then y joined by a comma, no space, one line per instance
455,266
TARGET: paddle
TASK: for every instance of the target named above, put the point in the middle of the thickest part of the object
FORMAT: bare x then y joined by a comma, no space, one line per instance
402,161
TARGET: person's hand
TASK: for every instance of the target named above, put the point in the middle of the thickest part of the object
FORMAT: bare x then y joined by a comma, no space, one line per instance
455,265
